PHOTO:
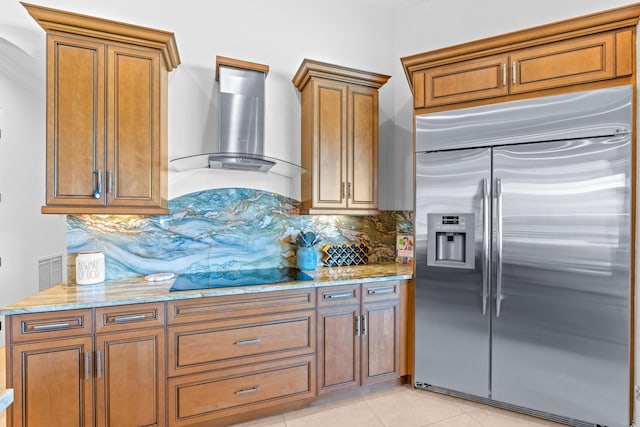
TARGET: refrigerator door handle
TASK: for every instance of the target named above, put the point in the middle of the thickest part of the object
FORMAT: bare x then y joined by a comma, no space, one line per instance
486,270
499,246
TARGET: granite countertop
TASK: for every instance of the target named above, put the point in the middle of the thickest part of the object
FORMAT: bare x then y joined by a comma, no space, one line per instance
136,290
6,399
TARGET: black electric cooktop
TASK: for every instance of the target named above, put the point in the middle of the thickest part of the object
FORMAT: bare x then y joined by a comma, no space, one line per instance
225,279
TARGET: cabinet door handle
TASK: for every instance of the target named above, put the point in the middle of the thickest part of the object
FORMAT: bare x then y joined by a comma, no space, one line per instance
98,192
337,295
364,325
109,182
87,374
381,291
514,69
248,391
504,74
99,364
253,341
357,326
348,190
122,319
342,191
51,326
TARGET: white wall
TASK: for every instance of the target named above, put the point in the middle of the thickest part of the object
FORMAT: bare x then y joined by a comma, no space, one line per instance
25,235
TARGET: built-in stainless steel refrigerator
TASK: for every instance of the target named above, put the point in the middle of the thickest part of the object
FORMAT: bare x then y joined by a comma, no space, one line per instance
523,255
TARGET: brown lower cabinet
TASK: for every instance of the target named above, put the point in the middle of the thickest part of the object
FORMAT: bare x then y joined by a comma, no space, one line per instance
65,375
213,361
359,335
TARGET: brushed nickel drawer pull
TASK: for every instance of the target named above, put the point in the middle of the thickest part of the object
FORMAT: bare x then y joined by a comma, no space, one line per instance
129,318
253,341
86,365
51,326
337,295
248,391
365,325
99,364
381,291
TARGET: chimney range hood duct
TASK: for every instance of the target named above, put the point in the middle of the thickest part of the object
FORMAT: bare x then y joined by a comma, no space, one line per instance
241,111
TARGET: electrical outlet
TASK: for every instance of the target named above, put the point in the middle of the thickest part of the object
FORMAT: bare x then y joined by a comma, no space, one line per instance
637,392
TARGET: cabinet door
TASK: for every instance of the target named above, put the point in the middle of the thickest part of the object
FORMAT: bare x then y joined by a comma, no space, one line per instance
464,81
75,121
53,383
130,377
330,145
133,117
338,348
381,341
362,155
564,63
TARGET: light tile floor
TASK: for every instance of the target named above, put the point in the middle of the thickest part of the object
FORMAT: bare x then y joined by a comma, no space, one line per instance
394,407
401,407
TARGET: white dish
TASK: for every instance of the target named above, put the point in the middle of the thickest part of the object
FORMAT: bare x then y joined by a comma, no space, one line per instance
159,277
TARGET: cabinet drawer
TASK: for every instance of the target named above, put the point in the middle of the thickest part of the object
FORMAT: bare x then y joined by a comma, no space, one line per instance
194,348
199,398
380,291
125,317
334,295
56,324
568,62
219,308
464,81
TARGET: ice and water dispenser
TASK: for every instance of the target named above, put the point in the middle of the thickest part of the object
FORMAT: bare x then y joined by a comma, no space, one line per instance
451,240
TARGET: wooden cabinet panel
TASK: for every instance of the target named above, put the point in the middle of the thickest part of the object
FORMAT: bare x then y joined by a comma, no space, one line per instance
130,379
418,89
339,138
583,53
194,348
568,62
331,134
232,306
380,291
362,184
381,341
53,383
358,343
133,82
75,116
125,317
338,348
205,397
624,53
50,325
342,294
106,114
466,81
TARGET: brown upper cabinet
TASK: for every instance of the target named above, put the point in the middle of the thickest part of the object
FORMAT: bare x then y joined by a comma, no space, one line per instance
106,114
339,138
571,55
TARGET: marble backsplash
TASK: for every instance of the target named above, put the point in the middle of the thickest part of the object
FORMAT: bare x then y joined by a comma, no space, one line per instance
223,229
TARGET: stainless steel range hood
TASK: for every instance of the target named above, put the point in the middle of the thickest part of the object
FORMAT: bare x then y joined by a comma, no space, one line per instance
241,112
241,117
